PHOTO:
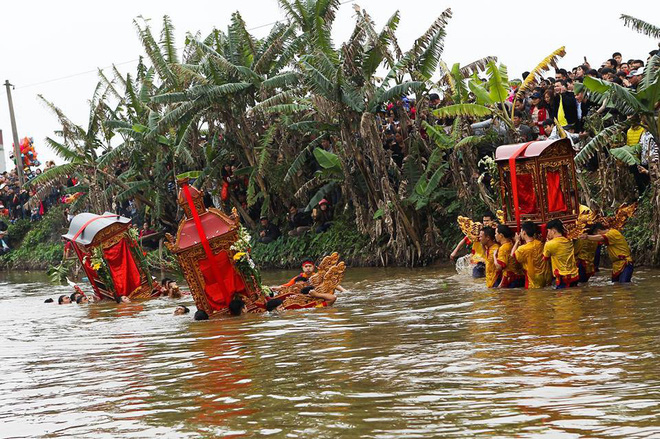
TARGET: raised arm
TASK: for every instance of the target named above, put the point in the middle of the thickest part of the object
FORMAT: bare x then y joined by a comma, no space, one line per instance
458,247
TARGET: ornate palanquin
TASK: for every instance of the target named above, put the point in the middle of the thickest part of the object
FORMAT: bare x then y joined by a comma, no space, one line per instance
207,258
544,186
208,261
110,255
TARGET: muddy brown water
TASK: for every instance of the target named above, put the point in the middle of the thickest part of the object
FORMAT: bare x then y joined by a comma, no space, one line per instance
405,354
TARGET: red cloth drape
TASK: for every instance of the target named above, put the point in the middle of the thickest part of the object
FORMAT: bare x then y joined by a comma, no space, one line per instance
124,271
220,293
526,194
556,201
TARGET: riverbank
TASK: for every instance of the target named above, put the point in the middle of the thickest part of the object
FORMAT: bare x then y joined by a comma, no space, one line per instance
38,245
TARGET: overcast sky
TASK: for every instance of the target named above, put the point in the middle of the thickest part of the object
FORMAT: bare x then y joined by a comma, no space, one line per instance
44,41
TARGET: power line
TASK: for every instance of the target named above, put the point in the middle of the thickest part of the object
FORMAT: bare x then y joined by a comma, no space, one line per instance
74,75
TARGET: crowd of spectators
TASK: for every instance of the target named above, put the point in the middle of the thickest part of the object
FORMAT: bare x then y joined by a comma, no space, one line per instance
552,100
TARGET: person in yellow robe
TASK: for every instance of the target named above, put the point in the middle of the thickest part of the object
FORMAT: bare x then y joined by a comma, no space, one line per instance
559,250
487,239
478,252
528,251
585,257
617,249
512,274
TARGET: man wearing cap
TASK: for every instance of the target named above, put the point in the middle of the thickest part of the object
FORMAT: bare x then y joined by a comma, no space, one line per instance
269,232
635,77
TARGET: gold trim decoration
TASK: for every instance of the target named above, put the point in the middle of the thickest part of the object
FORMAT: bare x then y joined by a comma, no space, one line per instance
471,228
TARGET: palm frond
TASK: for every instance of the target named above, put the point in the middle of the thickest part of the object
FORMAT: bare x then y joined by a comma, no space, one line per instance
627,154
284,97
602,140
154,53
437,134
132,189
167,42
456,110
281,81
396,91
641,26
64,151
543,66
54,174
287,108
497,78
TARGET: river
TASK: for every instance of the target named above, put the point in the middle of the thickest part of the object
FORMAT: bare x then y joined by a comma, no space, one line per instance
404,354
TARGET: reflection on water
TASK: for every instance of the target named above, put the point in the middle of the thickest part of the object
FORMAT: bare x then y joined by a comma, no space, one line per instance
405,354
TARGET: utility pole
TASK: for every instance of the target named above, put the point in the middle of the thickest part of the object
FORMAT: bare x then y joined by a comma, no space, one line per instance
17,147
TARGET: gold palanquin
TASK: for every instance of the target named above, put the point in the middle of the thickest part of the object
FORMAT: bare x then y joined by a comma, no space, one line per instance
221,231
109,233
546,181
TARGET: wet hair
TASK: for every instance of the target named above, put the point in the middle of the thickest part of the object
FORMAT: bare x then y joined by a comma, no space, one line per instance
74,296
200,314
556,225
597,227
236,306
273,303
300,279
185,309
489,232
306,290
165,281
530,228
80,299
49,300
505,231
118,298
61,299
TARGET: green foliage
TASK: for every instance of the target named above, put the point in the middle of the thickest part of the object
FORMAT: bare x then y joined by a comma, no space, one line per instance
342,237
17,231
42,245
638,233
59,273
627,154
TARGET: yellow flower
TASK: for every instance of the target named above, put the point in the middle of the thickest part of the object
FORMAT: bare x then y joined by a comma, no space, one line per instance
238,256
96,266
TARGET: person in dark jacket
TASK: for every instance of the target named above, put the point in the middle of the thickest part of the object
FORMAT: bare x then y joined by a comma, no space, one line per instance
299,221
269,232
564,105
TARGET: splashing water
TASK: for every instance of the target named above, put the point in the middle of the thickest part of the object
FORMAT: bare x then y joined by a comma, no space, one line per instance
463,265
